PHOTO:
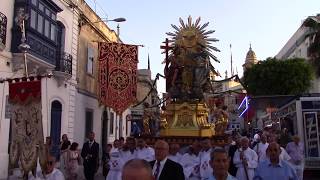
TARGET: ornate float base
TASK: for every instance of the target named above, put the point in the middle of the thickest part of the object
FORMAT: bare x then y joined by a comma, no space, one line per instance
186,120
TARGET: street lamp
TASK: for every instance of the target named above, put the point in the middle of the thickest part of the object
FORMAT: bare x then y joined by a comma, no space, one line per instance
24,47
121,19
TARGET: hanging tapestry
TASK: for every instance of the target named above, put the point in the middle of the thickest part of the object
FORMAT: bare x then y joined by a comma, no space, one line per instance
26,125
117,75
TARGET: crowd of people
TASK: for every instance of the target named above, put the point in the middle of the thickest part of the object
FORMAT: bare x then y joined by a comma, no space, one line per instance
260,159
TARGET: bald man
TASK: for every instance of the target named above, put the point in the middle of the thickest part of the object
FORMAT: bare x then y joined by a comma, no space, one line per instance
274,168
137,169
164,168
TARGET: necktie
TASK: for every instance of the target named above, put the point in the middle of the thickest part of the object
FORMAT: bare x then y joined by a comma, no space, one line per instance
156,173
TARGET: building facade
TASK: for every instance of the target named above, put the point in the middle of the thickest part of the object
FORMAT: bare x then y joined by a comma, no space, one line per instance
90,114
51,31
297,47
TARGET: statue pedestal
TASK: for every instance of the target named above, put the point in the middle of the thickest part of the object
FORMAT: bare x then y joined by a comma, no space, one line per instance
186,119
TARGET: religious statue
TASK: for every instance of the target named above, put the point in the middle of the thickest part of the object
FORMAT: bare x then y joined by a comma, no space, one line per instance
221,117
148,120
188,66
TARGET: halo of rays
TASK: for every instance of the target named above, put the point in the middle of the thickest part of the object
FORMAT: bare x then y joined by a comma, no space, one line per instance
202,35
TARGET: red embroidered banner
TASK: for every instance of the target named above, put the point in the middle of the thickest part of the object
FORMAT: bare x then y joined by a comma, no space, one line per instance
23,91
117,75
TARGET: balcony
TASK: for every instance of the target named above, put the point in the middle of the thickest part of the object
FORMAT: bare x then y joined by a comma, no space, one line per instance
3,31
63,70
64,63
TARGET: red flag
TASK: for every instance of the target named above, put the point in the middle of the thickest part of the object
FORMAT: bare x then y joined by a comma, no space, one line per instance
23,91
117,75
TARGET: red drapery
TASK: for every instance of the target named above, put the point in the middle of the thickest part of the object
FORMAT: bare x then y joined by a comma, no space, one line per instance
23,91
117,75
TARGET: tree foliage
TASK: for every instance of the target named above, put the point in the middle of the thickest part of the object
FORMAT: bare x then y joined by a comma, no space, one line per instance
278,77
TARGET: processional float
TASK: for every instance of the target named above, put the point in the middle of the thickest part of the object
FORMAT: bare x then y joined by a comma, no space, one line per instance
187,72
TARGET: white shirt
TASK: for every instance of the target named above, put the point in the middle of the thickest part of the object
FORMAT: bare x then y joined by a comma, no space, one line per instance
127,155
261,150
191,165
252,160
205,168
161,167
56,174
284,155
176,158
146,153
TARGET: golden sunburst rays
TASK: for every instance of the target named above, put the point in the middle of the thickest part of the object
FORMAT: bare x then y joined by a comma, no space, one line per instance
200,33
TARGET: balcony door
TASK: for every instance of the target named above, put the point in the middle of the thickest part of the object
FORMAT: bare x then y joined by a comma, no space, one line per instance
60,44
55,133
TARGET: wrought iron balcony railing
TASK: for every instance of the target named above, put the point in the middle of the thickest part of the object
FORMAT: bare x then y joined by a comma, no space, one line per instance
3,28
64,63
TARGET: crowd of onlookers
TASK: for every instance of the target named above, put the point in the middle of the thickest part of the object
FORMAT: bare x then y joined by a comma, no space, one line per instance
264,156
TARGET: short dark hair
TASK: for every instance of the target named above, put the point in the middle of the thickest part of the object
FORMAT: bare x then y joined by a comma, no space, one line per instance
121,139
138,164
109,145
217,150
74,146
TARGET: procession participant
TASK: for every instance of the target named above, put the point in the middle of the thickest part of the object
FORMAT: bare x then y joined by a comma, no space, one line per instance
205,168
174,153
164,168
246,160
284,155
219,161
106,159
116,145
50,172
232,150
274,168
190,162
129,150
137,169
90,155
261,147
115,165
143,151
295,150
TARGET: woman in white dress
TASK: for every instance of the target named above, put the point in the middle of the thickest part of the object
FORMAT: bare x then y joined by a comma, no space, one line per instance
72,162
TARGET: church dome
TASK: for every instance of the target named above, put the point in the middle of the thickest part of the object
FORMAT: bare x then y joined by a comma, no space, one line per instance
251,56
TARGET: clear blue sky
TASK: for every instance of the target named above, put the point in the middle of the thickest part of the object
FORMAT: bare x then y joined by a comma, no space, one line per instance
267,24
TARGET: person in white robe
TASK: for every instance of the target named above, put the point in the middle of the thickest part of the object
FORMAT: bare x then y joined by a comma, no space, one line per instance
129,150
174,153
246,160
143,151
115,164
261,148
50,172
190,162
284,155
205,168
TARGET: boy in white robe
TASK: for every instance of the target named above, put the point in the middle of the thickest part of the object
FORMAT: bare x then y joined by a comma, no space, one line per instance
174,154
190,162
143,151
115,164
261,148
246,160
205,168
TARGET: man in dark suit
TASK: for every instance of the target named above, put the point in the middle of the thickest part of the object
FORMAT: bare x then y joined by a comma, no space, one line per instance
90,155
164,168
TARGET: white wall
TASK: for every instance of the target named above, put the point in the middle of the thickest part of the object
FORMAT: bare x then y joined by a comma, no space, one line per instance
5,71
49,93
84,102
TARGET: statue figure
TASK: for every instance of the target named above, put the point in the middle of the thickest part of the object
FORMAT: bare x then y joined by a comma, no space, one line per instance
220,119
188,66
